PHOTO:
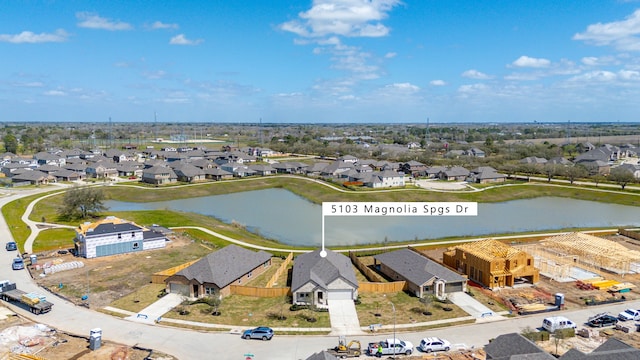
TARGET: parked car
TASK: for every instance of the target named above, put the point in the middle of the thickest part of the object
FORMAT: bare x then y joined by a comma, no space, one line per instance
390,347
602,320
430,344
629,314
553,323
11,246
18,264
261,332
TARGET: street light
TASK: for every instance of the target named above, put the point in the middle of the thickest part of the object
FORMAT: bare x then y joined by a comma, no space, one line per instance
394,326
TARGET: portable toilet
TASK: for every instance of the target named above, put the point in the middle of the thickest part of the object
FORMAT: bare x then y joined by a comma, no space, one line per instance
559,300
95,338
33,258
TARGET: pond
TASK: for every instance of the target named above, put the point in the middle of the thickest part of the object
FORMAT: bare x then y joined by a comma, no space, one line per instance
290,219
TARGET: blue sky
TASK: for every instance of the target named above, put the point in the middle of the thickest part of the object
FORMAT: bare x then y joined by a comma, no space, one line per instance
324,61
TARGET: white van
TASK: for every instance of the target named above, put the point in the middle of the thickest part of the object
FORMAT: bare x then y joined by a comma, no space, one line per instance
551,324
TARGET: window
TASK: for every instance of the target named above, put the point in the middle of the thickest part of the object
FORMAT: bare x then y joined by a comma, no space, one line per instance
210,290
136,245
250,274
133,234
119,236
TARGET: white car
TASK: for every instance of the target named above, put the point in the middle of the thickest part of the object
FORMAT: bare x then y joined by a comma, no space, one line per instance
430,344
629,314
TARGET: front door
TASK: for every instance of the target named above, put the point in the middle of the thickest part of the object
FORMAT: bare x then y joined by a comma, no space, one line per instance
195,290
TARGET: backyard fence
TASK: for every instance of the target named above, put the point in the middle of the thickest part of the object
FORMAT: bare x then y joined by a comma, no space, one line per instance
258,291
161,276
382,287
281,269
632,234
368,273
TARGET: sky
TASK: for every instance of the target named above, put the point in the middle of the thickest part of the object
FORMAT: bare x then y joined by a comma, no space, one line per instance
320,61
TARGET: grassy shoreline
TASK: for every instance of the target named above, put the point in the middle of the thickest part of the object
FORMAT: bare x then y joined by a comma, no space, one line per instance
310,189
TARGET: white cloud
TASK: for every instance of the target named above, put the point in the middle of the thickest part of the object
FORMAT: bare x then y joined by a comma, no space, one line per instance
182,40
599,76
390,55
55,93
437,83
160,25
475,74
406,87
623,35
526,61
630,75
351,18
94,21
155,75
29,84
33,38
599,61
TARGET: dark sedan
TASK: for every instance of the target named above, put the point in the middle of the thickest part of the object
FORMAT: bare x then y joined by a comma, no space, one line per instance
602,321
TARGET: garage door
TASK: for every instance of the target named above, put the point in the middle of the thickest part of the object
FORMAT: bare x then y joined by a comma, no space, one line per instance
340,295
453,287
179,289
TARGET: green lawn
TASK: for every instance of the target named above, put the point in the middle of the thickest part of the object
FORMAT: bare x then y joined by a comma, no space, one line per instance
54,239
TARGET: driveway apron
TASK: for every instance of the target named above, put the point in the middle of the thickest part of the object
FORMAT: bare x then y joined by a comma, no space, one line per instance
154,311
472,306
344,318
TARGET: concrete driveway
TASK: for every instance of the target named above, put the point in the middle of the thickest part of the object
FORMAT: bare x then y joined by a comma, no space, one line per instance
344,318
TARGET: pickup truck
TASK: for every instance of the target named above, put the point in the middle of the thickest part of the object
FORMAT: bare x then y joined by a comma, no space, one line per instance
36,303
388,347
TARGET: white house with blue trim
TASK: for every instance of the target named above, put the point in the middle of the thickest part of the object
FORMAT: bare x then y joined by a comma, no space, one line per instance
112,236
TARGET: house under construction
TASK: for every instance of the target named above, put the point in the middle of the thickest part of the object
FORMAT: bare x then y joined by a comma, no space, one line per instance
557,256
492,263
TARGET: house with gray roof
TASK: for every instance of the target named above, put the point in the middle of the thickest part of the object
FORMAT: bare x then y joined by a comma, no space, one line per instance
159,175
514,346
382,179
318,280
423,275
262,169
454,173
215,273
485,174
612,349
187,172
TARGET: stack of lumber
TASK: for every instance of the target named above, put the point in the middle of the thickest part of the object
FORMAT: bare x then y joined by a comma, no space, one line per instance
604,284
622,287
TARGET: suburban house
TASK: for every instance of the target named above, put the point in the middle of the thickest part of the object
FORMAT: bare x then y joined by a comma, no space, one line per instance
414,168
217,174
476,153
159,175
514,346
485,174
423,275
33,177
454,173
187,172
112,236
317,280
533,160
101,169
492,263
215,273
382,179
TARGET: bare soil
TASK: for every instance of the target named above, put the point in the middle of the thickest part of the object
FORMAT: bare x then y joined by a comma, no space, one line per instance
22,336
107,279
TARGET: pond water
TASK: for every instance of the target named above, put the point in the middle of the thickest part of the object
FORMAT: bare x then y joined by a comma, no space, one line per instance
283,216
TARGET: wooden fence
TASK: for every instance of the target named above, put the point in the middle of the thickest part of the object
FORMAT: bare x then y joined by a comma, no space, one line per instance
368,273
281,269
382,287
161,276
258,291
632,234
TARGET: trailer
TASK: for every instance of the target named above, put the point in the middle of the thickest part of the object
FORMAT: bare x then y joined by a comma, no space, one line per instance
36,303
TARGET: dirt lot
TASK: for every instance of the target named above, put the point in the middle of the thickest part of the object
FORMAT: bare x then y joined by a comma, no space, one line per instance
21,336
107,279
544,290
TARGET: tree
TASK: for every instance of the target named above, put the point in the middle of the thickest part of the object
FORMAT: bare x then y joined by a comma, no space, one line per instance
82,202
551,170
597,178
10,143
621,177
575,172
